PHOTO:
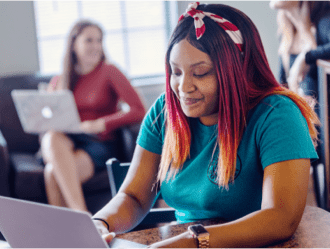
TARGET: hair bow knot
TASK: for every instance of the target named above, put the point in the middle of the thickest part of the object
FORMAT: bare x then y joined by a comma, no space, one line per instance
198,15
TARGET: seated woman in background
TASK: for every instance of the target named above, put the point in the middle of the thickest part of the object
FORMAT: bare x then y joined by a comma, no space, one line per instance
97,87
304,28
225,141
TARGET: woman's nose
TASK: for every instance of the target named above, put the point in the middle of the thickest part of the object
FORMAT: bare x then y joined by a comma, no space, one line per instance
97,45
186,84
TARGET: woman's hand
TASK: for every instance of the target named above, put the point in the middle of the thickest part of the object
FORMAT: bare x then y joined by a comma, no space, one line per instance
93,126
106,235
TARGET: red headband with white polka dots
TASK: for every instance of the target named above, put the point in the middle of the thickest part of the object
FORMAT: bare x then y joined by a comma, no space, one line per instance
198,16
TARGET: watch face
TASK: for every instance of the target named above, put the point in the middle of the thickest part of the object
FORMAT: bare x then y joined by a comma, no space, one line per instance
198,229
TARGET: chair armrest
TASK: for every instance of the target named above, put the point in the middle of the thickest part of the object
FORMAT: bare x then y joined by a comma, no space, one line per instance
127,141
159,215
155,218
117,172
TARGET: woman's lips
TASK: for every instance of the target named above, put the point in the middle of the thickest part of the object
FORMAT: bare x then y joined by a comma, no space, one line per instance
190,101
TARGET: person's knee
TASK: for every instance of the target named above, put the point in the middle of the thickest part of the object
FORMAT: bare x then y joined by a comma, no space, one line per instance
54,141
50,139
86,165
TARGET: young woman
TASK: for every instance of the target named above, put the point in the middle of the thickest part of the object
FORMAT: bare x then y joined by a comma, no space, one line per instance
97,87
225,141
304,30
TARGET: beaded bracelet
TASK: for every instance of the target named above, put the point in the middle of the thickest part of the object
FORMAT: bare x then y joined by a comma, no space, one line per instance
102,221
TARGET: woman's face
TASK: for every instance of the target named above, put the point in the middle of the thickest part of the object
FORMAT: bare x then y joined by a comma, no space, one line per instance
278,4
194,82
88,46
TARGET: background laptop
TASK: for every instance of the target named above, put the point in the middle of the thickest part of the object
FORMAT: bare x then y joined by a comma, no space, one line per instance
34,225
41,111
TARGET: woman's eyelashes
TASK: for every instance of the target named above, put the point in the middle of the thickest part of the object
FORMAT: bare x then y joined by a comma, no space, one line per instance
176,72
201,75
195,74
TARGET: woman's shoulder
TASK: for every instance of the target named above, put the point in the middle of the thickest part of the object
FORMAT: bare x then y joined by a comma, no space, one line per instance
161,99
155,117
274,104
159,105
113,72
108,66
156,113
277,100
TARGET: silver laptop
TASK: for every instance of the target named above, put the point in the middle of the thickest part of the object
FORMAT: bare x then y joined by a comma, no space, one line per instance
41,111
26,224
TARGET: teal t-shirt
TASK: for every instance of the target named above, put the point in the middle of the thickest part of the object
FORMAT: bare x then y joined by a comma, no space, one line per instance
276,131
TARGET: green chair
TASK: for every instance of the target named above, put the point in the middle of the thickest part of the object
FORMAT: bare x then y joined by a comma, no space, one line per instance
117,172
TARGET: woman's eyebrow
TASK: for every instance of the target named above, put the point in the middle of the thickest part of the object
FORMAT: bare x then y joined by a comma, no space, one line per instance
193,65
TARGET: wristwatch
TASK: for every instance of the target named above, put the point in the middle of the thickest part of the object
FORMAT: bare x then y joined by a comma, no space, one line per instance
201,234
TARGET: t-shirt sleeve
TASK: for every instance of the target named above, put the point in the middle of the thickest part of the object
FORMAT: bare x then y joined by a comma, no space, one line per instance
152,131
284,135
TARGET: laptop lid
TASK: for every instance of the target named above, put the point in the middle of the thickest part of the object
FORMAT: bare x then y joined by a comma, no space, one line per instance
29,224
41,111
34,225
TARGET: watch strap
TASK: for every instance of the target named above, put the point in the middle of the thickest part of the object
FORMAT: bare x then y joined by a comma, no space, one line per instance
204,242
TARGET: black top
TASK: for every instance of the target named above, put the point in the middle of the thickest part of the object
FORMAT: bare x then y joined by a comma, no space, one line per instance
323,41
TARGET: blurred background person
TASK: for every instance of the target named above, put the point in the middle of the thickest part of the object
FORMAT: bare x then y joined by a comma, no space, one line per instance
98,87
304,29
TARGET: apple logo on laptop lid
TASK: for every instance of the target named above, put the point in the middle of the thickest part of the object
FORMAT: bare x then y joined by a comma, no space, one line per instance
47,112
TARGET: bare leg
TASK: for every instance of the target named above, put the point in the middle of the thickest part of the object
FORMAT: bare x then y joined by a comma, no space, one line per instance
58,150
53,191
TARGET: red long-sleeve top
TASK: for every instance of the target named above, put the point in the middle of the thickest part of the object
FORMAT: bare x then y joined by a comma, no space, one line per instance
97,94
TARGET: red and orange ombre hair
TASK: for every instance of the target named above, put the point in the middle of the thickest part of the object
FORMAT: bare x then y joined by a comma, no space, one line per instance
244,80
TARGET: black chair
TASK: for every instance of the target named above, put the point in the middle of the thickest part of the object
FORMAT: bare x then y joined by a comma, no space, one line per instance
157,216
21,173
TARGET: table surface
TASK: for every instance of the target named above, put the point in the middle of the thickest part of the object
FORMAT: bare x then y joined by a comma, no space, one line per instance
313,231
